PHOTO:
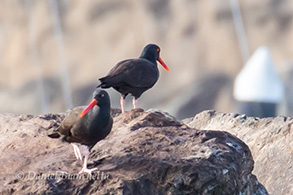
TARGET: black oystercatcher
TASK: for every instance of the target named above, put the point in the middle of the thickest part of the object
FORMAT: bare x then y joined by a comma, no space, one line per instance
87,126
135,76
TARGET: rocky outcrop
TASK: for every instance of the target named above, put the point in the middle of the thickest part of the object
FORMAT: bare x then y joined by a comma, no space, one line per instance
146,153
269,139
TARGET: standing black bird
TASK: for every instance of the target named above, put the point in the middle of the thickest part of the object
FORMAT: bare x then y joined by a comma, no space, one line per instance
135,76
87,126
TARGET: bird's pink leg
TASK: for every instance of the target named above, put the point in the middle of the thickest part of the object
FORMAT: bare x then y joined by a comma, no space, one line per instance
76,151
84,168
122,104
134,102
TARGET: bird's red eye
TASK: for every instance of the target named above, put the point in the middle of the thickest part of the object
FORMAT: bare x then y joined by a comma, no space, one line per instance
158,49
102,95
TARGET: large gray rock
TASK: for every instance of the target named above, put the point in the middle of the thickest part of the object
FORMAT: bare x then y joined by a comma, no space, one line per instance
146,153
269,139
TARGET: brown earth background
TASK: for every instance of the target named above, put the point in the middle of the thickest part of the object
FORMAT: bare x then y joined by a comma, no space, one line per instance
197,38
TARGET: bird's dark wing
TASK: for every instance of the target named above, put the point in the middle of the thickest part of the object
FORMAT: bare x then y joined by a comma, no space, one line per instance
120,66
70,120
82,127
135,73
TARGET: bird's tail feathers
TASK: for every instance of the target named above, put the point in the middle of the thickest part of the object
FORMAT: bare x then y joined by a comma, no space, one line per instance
103,83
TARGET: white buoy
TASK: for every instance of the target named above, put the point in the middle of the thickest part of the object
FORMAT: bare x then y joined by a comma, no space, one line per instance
258,80
258,87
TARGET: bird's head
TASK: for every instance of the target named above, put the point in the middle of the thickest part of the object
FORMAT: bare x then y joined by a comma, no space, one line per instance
152,51
100,98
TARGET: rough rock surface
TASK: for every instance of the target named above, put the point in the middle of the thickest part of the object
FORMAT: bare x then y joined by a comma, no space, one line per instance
146,153
269,139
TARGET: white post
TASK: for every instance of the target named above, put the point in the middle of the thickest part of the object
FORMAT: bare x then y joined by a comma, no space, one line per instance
62,56
36,59
240,30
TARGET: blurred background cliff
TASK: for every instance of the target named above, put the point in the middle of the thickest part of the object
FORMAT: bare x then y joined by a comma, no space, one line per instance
53,52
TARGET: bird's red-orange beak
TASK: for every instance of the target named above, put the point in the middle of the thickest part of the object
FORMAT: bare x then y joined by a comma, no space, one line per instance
90,106
163,63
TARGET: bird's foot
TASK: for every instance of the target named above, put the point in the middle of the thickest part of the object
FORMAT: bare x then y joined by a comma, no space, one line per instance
86,170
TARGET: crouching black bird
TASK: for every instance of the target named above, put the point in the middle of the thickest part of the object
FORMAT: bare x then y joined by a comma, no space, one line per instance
87,126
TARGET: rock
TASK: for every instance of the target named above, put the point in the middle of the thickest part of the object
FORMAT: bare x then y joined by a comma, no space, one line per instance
269,139
146,153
